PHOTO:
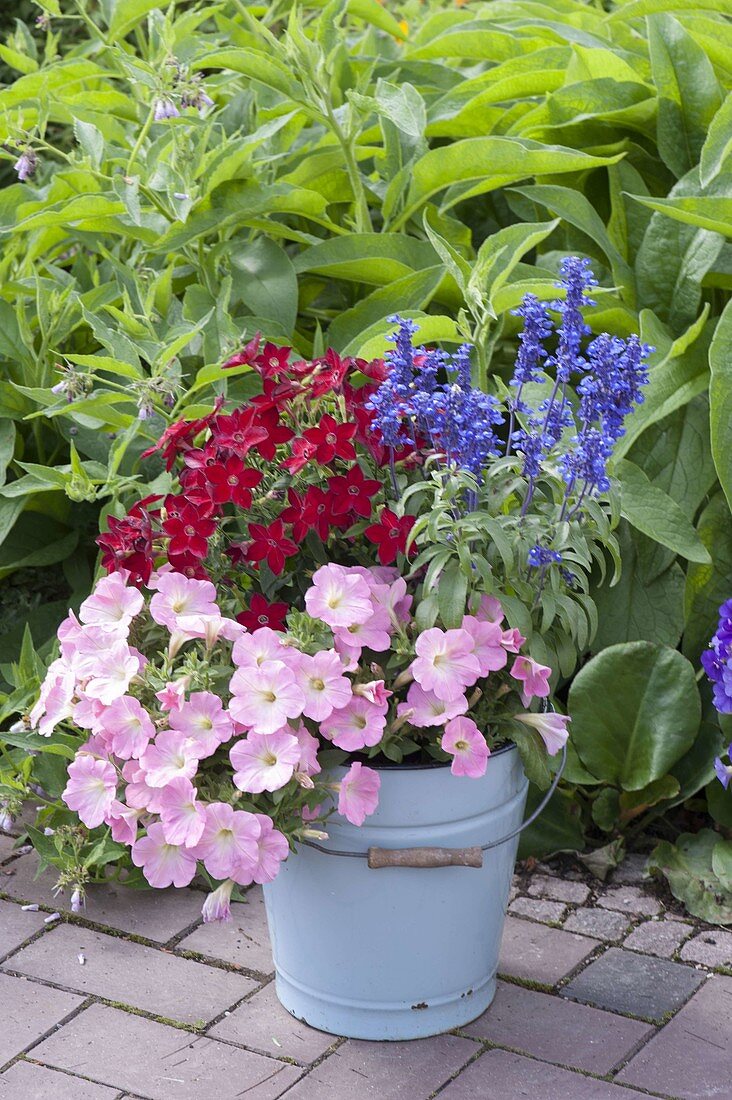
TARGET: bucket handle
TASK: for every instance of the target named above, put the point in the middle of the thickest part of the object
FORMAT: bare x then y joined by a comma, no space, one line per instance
443,857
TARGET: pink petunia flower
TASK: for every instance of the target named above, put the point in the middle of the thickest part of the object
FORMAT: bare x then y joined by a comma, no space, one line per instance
512,640
393,599
204,720
355,726
254,650
55,702
489,610
163,864
264,762
138,794
359,793
535,678
180,595
128,727
487,644
90,789
171,754
309,746
373,634
273,849
210,628
467,746
265,698
112,605
552,728
321,680
428,710
217,906
172,695
123,820
445,663
228,846
182,817
110,674
338,597
375,691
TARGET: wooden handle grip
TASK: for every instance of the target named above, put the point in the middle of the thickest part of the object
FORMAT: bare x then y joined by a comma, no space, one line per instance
425,857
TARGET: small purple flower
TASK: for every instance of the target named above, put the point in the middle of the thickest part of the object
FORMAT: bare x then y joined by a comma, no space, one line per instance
165,108
26,165
542,555
724,771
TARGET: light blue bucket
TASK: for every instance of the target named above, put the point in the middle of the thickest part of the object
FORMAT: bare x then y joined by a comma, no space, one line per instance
401,952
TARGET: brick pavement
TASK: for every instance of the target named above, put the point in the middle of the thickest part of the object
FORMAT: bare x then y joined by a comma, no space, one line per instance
606,993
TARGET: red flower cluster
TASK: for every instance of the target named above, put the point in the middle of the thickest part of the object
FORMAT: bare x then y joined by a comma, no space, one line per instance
284,433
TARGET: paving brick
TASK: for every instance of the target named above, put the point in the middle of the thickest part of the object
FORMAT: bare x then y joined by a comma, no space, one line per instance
710,948
632,871
659,937
150,1059
155,914
538,909
690,1057
629,899
385,1071
143,977
34,1009
540,954
262,1024
7,843
244,940
622,981
500,1075
16,926
559,889
25,1081
601,923
557,1030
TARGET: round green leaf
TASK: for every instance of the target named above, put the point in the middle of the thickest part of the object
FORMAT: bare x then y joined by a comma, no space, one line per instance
635,711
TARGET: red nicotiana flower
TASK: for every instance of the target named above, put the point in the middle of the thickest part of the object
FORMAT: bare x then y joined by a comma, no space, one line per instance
353,492
317,514
189,532
390,535
260,613
129,542
275,433
189,565
232,481
178,438
302,451
239,432
272,361
276,394
247,355
270,544
332,440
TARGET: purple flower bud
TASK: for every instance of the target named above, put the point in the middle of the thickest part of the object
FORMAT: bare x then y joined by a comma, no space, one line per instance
26,165
205,100
165,108
181,195
6,821
145,411
77,901
59,388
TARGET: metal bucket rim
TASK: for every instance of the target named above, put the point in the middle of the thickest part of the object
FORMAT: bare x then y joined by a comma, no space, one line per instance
436,764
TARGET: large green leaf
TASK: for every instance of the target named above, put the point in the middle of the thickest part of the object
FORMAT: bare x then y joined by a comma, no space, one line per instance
411,292
373,343
576,208
374,258
688,92
557,829
635,609
692,874
707,586
656,514
718,145
674,258
705,211
635,711
495,162
720,400
264,279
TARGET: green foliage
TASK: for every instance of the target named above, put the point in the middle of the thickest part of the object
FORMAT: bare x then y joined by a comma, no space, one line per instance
361,159
698,869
